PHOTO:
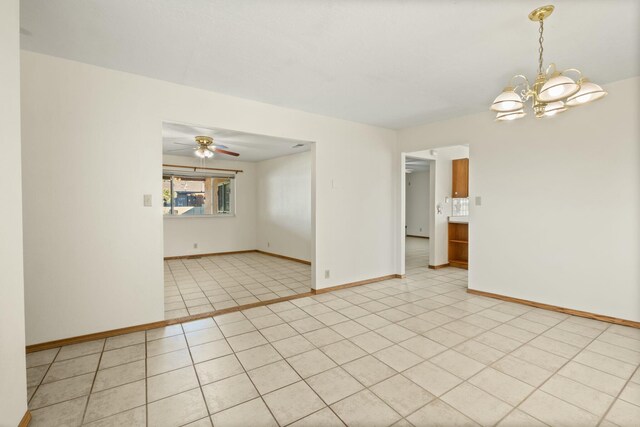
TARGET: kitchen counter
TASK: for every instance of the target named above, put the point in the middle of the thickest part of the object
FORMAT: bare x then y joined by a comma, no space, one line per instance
459,219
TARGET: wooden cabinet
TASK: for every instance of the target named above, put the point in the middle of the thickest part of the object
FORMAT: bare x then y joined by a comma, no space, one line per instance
458,245
460,176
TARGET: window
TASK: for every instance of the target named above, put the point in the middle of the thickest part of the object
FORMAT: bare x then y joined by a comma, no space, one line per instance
197,195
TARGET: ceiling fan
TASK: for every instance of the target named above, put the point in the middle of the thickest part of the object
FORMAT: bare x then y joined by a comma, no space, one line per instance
206,148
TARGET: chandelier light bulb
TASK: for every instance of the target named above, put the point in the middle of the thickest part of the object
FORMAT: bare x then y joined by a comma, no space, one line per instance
553,108
588,92
204,153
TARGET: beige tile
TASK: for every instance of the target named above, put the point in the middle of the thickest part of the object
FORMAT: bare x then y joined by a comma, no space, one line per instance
273,376
593,378
237,328
36,374
478,405
333,385
203,336
168,361
229,392
246,341
402,395
310,363
294,345
167,331
177,410
556,412
423,347
324,336
365,409
258,356
432,378
615,352
82,349
541,358
306,324
278,332
517,418
119,375
122,355
398,357
67,413
578,394
210,350
445,337
166,345
623,414
631,393
604,363
503,386
371,342
458,364
48,394
524,371
439,414
498,341
124,340
343,351
170,383
293,402
253,413
218,369
198,324
136,417
204,422
479,352
39,358
369,370
114,400
72,367
323,418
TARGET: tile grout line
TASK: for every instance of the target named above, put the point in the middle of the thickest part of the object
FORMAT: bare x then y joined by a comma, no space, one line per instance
617,397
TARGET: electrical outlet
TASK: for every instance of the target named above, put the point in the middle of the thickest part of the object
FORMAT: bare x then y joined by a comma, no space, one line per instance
195,246
327,274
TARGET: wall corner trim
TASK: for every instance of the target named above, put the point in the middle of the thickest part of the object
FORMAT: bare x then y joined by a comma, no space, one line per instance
26,419
564,310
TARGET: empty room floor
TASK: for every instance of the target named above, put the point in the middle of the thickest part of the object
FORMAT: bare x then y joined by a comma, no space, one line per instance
416,252
202,285
416,351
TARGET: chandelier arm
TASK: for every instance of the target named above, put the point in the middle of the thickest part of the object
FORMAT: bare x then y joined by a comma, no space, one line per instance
551,68
575,70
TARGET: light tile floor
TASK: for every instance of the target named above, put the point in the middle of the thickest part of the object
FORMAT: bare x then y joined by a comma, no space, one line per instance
202,285
416,252
416,351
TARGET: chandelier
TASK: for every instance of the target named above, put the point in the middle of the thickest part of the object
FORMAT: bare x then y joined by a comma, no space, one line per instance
553,91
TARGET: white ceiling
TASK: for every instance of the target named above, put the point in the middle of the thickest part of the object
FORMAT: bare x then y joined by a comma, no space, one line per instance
391,63
250,146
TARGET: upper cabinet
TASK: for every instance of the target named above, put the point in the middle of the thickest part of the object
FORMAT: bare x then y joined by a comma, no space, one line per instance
460,175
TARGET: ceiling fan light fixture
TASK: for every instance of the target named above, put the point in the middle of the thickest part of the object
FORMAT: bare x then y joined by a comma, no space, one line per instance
204,153
508,100
553,108
588,92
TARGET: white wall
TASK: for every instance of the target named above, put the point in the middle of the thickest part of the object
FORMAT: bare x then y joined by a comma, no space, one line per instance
417,209
93,136
215,234
558,222
13,381
284,206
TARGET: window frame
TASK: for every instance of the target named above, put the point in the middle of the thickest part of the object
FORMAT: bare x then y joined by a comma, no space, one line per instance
170,175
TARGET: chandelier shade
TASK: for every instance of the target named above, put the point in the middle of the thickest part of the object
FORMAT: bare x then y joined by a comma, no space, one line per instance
588,92
552,91
508,100
204,153
558,87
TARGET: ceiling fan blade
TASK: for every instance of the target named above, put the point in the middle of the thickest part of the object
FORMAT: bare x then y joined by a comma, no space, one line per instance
220,146
219,150
182,143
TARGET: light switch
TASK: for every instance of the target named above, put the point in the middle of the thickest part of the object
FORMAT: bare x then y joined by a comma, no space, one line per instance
478,201
147,200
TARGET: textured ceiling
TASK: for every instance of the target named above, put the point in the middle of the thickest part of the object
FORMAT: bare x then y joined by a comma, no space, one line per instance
250,146
388,63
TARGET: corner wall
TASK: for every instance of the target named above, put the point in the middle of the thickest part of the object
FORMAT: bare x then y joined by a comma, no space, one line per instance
284,206
558,222
13,381
92,139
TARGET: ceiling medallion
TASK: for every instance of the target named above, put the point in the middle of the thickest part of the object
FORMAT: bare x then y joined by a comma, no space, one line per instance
553,91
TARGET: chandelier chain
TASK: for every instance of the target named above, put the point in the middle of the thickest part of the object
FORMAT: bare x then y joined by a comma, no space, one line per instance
540,49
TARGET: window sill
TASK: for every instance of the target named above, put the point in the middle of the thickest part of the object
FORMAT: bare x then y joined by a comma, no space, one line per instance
197,216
